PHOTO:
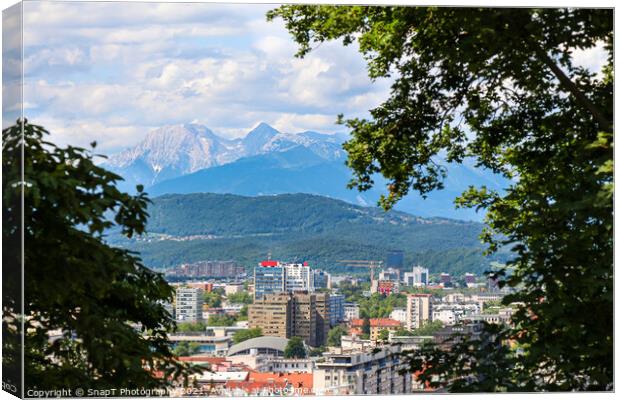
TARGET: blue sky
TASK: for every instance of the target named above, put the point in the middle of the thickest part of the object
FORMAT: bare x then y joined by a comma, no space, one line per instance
112,72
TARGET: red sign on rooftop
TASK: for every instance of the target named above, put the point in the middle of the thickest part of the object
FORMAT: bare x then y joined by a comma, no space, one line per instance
269,263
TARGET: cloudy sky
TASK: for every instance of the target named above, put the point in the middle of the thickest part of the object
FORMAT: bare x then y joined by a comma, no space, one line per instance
112,72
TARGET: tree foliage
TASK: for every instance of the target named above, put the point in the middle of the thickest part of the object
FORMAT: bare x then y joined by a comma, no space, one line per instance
428,328
239,298
500,86
221,320
334,336
246,334
212,299
322,231
191,326
185,348
295,348
102,307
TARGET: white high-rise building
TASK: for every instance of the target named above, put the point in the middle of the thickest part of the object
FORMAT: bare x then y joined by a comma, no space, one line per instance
298,277
419,310
189,304
417,277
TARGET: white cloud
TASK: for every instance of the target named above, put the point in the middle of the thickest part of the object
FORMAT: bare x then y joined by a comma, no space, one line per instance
112,71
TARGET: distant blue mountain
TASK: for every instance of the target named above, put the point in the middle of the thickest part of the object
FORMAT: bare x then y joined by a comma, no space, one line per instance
301,170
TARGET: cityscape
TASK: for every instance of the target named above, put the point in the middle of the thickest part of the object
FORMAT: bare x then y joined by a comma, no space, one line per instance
226,199
246,326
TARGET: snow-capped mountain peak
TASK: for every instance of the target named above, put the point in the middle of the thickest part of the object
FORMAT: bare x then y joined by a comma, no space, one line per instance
177,150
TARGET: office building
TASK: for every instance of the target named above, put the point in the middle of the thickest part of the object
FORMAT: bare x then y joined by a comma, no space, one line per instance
189,303
286,315
336,309
395,259
419,310
271,313
268,279
417,277
389,274
274,277
445,279
322,280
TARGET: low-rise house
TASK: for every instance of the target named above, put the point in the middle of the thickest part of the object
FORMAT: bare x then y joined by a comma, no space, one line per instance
376,326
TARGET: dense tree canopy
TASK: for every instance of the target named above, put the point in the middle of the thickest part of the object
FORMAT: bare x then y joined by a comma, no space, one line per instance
334,336
500,86
93,313
295,348
247,334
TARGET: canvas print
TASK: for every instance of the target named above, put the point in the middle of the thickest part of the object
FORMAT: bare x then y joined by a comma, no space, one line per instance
216,199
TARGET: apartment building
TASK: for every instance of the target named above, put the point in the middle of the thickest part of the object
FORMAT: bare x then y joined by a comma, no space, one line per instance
362,372
272,313
189,303
419,310
286,315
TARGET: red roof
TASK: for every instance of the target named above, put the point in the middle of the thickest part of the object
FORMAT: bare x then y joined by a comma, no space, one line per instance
305,263
269,263
301,381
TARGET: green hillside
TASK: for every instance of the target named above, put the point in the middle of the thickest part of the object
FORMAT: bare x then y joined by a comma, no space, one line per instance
301,227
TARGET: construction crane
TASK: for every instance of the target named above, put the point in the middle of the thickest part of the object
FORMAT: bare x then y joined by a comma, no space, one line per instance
372,265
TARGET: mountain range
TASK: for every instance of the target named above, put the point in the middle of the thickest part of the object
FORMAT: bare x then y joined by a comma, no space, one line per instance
191,158
300,227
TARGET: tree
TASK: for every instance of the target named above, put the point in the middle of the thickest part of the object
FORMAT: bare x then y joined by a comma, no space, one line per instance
499,88
240,298
184,349
221,320
246,334
213,299
366,326
428,329
384,335
191,327
334,336
295,348
107,306
403,332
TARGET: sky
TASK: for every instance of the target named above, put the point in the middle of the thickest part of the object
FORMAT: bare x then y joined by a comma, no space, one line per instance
113,72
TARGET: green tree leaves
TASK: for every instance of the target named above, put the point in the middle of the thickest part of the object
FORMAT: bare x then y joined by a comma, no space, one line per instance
334,336
499,85
104,305
295,348
246,334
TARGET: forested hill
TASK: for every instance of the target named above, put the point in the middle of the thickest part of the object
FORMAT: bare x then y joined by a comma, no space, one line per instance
202,226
